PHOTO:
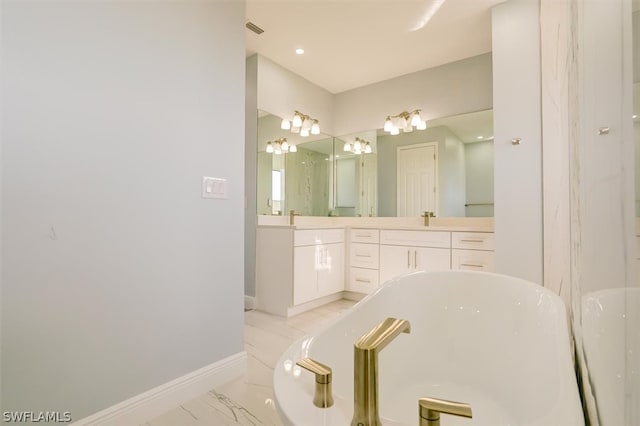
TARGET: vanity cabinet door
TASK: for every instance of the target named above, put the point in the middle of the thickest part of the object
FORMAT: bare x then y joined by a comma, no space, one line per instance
431,259
305,275
395,261
331,269
399,260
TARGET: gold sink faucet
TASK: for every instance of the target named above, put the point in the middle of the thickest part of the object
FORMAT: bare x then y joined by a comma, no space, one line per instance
426,216
292,214
430,409
365,377
323,396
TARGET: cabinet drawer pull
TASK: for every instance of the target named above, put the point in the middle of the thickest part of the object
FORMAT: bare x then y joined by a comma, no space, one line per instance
472,265
360,280
415,259
363,235
363,255
471,241
408,258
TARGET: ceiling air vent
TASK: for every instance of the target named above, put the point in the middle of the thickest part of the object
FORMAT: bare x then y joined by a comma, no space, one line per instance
253,27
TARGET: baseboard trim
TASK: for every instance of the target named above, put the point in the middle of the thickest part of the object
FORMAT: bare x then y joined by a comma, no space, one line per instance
158,400
249,302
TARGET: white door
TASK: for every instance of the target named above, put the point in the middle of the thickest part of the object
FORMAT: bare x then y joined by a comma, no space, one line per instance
417,179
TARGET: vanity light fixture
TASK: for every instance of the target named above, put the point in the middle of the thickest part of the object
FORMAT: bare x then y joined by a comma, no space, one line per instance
280,146
358,147
404,121
301,123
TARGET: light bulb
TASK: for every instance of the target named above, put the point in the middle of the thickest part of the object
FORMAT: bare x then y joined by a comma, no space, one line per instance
285,146
347,147
304,132
285,125
269,147
293,148
357,150
315,128
297,121
421,125
388,125
415,120
395,131
367,148
357,146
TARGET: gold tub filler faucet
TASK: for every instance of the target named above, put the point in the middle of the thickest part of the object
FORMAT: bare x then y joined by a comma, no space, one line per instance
431,408
323,397
365,363
365,380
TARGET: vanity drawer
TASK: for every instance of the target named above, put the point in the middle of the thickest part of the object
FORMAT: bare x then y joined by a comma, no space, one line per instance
472,260
309,237
365,255
472,240
363,280
362,235
438,239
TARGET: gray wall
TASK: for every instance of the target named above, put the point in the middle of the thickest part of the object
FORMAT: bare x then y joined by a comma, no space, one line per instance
117,276
250,175
450,89
451,180
479,176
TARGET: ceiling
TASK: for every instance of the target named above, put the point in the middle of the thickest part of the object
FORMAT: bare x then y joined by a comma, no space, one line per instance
353,43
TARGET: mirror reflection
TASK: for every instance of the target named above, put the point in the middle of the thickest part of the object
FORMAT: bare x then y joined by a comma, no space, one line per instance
446,169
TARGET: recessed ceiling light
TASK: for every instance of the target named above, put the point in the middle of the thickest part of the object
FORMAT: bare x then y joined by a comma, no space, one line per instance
299,51
634,116
479,137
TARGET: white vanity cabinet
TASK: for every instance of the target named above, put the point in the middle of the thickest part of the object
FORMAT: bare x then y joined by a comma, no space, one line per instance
318,264
364,260
472,251
298,269
404,251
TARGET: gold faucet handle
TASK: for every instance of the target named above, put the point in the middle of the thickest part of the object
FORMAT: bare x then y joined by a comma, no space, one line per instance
430,409
323,397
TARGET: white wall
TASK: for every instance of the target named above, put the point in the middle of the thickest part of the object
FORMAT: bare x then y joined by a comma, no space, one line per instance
117,276
518,168
450,89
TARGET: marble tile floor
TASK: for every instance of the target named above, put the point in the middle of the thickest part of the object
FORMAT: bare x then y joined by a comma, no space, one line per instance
248,400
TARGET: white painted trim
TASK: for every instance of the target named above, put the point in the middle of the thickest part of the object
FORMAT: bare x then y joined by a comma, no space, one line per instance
158,400
250,302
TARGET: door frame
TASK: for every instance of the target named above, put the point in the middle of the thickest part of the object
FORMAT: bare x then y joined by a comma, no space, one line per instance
437,182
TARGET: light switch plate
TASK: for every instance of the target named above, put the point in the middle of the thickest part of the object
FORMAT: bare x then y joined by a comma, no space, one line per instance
213,187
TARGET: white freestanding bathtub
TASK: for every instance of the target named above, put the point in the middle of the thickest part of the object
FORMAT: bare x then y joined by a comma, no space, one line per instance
498,343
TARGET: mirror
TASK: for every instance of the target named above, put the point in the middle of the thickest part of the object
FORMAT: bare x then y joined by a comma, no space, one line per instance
324,179
300,180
